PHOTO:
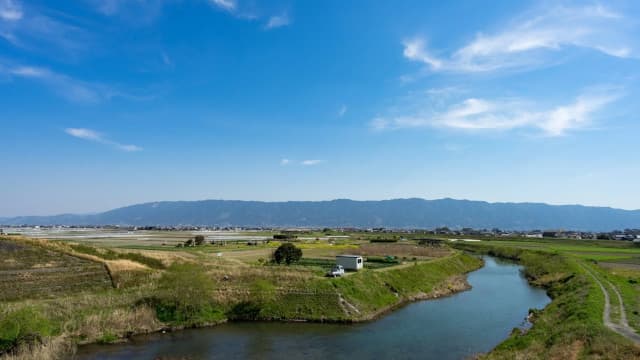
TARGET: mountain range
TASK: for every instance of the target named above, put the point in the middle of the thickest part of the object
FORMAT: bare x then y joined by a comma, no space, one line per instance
397,213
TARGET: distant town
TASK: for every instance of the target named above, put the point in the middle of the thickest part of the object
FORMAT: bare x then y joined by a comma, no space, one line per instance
626,234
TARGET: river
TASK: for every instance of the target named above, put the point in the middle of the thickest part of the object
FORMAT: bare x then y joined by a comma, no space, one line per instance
454,327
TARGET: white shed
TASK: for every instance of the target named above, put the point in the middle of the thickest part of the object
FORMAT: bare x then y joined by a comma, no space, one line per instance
350,262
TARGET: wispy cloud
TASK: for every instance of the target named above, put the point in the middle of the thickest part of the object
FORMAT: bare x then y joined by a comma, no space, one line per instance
277,21
286,162
35,29
66,86
247,10
91,135
415,50
63,85
228,5
139,12
530,39
474,114
311,162
10,10
343,110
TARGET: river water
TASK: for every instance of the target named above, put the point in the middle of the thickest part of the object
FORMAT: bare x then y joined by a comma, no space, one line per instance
454,327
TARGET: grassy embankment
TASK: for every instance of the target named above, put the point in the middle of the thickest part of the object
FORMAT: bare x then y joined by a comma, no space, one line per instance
571,326
198,289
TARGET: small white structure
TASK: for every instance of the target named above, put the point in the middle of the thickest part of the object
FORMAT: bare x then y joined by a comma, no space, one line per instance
350,262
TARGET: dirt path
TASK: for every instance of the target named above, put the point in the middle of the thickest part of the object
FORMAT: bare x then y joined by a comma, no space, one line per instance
623,327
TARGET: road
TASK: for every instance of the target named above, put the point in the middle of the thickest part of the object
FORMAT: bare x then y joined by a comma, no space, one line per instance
622,327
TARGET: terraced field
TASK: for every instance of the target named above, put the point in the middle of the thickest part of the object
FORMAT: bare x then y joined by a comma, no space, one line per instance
34,272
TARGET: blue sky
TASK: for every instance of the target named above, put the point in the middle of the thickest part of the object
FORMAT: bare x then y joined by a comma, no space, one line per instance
109,103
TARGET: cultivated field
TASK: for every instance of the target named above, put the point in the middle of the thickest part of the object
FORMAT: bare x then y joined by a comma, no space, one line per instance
32,271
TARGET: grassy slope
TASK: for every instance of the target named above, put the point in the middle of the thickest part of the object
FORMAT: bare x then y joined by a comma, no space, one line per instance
369,291
571,325
29,270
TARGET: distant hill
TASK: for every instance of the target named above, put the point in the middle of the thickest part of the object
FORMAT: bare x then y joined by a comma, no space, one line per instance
399,213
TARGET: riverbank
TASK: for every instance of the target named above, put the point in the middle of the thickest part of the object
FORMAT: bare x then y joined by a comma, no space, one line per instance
448,328
571,326
153,300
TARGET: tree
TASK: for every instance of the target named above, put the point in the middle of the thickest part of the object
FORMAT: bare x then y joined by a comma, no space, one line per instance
199,239
287,253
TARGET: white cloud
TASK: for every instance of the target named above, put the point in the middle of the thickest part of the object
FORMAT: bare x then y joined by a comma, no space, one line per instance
228,5
414,49
91,135
10,10
251,11
343,110
284,162
530,39
33,29
473,114
311,162
84,134
138,12
65,86
128,148
278,21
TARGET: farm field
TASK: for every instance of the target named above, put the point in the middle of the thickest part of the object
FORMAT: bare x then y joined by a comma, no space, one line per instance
35,272
100,288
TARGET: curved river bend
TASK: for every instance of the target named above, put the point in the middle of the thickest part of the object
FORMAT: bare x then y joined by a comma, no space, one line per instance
455,327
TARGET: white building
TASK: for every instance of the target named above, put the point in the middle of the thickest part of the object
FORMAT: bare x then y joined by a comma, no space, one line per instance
350,262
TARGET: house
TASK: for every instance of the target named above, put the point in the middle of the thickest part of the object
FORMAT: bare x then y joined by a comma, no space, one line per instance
534,235
350,262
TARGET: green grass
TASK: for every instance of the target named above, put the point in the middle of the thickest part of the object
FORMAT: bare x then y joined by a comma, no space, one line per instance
571,325
21,326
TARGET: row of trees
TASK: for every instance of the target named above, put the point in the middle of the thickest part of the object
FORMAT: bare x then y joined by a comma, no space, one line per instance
195,241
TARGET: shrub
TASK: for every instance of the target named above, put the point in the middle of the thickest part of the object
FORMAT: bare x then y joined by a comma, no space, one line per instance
383,240
199,239
245,310
185,296
287,253
284,237
23,326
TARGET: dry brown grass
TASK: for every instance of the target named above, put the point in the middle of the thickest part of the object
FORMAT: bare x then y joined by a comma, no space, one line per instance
118,321
49,349
167,257
124,265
